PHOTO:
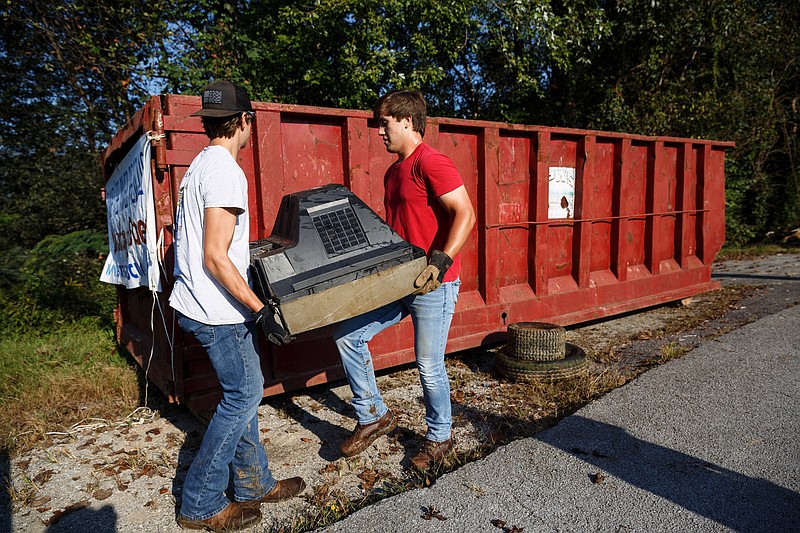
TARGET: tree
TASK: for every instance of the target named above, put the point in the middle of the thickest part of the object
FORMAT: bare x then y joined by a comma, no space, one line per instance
714,69
74,70
71,72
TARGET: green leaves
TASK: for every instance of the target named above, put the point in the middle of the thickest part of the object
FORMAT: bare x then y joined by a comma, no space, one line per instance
73,72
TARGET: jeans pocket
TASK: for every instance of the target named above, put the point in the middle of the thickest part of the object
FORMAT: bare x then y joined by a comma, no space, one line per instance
202,332
455,287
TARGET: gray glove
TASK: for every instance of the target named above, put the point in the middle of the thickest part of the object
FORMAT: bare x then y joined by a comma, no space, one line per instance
431,278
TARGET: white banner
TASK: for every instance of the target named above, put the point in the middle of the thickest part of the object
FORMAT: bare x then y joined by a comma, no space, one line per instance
132,257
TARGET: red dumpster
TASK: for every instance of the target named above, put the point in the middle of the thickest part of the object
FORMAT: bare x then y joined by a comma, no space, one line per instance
573,225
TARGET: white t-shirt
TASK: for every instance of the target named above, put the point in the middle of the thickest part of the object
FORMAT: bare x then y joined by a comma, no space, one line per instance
214,179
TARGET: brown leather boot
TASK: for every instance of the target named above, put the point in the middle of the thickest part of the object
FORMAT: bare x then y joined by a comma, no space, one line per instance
234,517
283,490
364,436
432,453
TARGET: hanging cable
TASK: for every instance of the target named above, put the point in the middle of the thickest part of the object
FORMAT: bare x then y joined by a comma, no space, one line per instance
163,272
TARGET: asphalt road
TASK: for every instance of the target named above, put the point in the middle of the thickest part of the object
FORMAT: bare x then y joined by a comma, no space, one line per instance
707,442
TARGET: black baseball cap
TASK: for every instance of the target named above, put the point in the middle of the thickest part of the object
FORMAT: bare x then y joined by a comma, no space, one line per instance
223,99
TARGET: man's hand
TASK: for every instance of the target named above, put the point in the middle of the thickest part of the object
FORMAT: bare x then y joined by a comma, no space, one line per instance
431,278
271,326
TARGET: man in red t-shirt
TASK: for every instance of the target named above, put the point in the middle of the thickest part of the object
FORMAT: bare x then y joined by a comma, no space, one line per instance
426,204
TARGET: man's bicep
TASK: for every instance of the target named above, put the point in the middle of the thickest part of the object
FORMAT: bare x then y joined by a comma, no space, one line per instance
220,223
456,200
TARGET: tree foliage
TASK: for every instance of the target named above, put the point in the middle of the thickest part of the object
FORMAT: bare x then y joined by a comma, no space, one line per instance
718,69
70,74
74,71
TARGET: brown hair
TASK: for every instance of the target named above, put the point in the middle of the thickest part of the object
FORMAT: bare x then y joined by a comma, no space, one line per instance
402,104
223,127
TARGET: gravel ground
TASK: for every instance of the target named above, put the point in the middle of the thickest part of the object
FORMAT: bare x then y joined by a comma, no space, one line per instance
126,476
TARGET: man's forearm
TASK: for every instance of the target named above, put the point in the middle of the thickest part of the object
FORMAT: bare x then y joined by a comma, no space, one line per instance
459,233
226,273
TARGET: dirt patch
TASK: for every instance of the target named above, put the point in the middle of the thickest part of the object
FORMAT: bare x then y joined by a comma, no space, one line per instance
126,476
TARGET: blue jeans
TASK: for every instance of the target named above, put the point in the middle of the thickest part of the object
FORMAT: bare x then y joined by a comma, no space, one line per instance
431,315
231,446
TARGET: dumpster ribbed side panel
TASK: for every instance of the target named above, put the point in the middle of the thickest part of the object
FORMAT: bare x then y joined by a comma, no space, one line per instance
572,225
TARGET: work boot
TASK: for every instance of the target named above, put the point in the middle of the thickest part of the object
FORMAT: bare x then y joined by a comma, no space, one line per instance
432,453
364,435
233,518
283,490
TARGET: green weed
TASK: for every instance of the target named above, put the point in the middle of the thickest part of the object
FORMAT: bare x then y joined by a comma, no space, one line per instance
50,381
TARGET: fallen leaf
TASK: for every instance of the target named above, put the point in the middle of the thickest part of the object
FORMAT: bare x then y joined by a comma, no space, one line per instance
368,475
330,468
305,439
43,477
163,490
148,470
597,478
498,523
102,494
154,431
86,444
40,501
58,515
369,478
432,512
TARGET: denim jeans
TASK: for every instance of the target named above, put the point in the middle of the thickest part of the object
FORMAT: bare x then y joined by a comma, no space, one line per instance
231,446
431,315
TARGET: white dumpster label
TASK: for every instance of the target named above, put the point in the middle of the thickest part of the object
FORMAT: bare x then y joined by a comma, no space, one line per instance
561,193
131,222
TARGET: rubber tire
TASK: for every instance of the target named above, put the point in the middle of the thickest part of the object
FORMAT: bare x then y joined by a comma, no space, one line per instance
537,341
573,365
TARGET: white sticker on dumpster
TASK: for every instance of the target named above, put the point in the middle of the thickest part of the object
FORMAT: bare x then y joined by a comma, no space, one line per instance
561,193
131,222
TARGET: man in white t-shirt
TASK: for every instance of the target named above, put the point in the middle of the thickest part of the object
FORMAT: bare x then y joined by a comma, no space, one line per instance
215,303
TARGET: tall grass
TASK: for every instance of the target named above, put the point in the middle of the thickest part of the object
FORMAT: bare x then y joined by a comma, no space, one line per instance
52,381
59,364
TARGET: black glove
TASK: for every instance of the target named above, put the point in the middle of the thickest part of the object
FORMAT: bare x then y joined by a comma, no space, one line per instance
272,326
431,278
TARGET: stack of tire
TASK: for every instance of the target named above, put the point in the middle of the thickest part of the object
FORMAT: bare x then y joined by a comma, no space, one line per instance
539,351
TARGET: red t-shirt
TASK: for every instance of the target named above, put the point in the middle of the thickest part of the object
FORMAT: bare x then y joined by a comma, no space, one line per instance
412,188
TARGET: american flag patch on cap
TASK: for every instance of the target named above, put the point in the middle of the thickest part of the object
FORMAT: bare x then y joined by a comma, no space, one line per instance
212,97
